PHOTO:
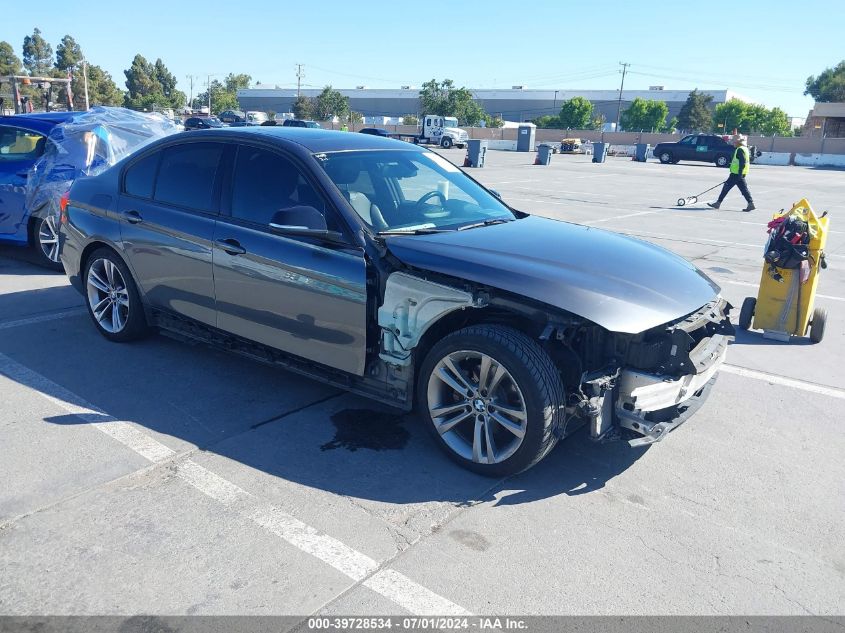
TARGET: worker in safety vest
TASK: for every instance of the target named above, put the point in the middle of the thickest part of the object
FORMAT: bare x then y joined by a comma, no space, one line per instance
739,169
344,128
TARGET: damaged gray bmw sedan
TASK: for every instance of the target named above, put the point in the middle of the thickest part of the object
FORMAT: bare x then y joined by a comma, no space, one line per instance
380,267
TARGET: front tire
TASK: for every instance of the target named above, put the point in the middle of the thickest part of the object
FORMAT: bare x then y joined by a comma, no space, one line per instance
817,325
446,142
491,398
112,298
746,313
665,157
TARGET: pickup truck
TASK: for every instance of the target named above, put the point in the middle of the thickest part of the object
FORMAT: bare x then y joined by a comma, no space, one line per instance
708,148
385,270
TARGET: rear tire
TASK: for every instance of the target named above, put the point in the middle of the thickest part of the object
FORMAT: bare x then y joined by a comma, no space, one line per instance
502,431
112,298
722,161
665,157
746,313
818,324
44,240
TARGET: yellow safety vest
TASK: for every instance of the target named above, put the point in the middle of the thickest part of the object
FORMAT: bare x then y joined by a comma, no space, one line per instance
735,161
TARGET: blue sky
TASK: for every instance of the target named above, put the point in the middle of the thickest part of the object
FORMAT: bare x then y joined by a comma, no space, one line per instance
753,47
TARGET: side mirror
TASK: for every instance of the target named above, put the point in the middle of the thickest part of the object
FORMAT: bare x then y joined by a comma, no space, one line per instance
304,221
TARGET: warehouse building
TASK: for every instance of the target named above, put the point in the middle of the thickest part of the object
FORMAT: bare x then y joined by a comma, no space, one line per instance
515,104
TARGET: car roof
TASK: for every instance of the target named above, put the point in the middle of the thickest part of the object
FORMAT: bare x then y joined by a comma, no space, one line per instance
37,121
317,139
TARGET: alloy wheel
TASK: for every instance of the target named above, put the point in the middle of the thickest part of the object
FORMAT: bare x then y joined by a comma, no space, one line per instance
48,238
108,296
477,407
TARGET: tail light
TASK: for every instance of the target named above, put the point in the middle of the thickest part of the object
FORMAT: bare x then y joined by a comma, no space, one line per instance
63,207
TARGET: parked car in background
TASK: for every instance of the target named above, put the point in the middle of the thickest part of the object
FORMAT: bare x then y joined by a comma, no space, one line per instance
257,118
231,117
375,131
42,154
300,123
381,268
202,123
708,148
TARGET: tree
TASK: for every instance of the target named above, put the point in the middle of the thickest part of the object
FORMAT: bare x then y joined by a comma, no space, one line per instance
356,117
68,54
829,85
730,115
9,62
776,123
410,119
233,82
37,54
644,115
670,126
546,121
444,99
695,115
493,121
302,107
151,85
221,99
101,89
598,122
329,104
575,113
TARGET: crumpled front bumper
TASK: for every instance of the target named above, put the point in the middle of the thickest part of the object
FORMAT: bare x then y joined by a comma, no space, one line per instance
652,405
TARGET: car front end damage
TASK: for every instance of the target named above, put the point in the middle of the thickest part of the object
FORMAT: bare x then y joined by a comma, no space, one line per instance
649,383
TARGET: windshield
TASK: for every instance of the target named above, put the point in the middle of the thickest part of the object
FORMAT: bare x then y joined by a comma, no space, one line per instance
400,190
214,122
450,122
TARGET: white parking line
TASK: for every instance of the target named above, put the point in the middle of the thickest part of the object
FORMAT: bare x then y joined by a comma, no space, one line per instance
393,585
41,318
774,379
722,280
620,217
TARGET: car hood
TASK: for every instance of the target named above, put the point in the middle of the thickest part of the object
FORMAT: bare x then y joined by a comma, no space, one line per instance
454,130
620,283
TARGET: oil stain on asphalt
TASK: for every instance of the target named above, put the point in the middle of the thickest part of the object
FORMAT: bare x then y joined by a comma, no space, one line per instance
365,428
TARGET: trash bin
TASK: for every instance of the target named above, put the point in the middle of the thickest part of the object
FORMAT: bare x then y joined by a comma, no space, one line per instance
525,138
641,152
477,152
784,306
600,152
544,154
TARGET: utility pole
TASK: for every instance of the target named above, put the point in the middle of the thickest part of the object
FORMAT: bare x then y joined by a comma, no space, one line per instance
85,82
209,95
299,76
622,85
191,98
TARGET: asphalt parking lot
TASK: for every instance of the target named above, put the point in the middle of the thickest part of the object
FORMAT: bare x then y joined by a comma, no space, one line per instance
167,478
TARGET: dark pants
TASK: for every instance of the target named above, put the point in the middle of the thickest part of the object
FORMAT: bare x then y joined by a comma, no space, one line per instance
738,181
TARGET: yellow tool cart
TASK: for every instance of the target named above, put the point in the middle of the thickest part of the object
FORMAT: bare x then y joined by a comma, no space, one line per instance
794,258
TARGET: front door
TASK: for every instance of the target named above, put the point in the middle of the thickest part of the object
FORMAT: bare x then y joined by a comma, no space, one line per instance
299,295
19,148
168,208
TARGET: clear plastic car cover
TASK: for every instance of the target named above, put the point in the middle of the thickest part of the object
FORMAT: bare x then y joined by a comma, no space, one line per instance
87,145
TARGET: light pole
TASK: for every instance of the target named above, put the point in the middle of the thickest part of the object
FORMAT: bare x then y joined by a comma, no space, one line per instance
619,107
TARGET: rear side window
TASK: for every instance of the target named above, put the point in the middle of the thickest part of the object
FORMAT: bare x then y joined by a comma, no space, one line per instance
19,144
140,177
186,175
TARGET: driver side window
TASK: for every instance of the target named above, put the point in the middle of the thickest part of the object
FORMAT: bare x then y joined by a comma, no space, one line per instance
263,183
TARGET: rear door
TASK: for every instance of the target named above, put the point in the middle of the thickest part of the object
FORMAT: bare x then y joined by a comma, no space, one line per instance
300,295
685,149
19,149
168,208
705,148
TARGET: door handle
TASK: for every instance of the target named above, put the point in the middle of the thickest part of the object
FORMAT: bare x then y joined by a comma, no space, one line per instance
231,246
133,217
